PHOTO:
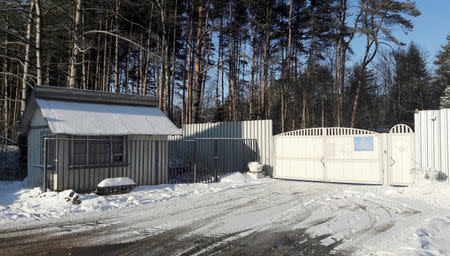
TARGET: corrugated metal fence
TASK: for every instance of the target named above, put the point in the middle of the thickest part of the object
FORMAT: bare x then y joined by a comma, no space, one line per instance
261,130
207,159
432,130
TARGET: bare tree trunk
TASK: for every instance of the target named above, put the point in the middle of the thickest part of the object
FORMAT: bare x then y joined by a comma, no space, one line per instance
105,56
282,110
190,69
161,77
205,61
355,102
75,60
230,68
108,70
265,75
234,86
308,83
222,73
140,71
342,85
252,79
127,70
16,106
185,75
26,63
173,59
6,92
97,63
219,57
116,49
84,75
336,81
260,96
197,59
323,113
266,65
47,70
38,43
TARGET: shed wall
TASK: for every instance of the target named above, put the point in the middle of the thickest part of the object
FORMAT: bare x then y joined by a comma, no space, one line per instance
147,164
38,128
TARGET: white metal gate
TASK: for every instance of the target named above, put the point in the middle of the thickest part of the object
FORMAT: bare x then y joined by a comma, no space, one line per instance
400,155
345,155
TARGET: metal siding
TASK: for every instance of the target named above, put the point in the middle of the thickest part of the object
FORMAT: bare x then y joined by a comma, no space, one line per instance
261,130
142,165
433,140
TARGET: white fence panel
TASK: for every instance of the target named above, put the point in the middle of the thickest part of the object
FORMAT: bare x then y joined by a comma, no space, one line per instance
329,154
432,137
261,130
345,164
299,162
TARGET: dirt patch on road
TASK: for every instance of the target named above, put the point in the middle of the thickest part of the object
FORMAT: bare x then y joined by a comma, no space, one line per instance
174,243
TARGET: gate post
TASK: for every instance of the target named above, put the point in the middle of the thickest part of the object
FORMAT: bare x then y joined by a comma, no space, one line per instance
44,184
385,158
216,158
110,156
194,160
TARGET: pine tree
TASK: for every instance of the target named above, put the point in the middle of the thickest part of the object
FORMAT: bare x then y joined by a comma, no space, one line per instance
411,85
443,74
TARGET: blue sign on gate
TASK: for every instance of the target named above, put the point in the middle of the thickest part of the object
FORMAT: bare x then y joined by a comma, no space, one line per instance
363,143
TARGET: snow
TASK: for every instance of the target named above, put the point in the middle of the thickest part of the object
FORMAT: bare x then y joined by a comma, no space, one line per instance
19,203
255,167
80,118
361,220
119,181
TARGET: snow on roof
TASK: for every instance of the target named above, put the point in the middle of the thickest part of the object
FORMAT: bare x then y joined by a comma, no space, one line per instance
81,118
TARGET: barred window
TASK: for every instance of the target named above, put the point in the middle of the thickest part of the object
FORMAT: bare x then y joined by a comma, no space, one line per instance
95,151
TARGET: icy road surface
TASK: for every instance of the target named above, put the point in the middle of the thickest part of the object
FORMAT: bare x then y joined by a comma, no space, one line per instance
238,216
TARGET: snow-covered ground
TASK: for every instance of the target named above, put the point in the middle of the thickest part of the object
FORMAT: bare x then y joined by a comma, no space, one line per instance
353,219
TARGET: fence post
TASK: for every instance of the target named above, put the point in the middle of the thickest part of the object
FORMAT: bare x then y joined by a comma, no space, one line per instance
195,161
44,184
216,158
109,156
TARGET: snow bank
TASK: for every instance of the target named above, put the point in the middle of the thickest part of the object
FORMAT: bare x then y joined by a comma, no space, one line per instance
17,202
238,178
431,238
111,182
432,192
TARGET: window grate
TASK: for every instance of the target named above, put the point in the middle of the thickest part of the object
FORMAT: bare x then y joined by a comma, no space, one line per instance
95,151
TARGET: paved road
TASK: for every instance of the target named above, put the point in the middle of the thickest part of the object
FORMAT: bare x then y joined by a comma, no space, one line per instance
264,219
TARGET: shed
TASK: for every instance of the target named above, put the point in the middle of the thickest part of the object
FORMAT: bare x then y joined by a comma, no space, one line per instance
76,138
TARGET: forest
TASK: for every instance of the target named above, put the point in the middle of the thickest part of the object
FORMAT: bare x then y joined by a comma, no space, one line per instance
293,61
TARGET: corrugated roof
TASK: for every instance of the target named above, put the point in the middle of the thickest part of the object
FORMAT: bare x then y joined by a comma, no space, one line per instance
81,118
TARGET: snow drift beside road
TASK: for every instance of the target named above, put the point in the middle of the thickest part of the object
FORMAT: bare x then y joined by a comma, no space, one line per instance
19,203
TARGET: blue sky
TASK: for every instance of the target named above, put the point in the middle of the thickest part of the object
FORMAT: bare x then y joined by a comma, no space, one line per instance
430,29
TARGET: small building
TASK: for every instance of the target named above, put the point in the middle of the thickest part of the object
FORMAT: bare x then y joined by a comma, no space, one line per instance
76,138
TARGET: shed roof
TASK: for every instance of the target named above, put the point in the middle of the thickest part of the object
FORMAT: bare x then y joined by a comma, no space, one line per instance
82,118
87,112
